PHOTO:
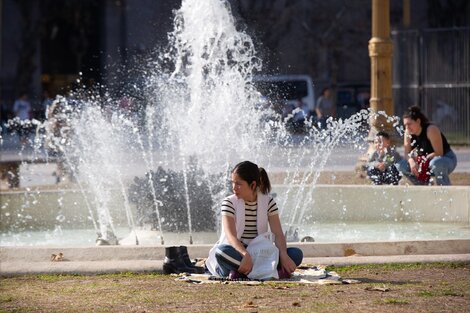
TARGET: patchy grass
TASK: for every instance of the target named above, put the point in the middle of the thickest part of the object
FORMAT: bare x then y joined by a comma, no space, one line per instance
444,287
396,266
426,293
452,293
396,301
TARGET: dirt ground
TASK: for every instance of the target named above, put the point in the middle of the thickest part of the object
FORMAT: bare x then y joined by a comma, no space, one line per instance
437,287
340,178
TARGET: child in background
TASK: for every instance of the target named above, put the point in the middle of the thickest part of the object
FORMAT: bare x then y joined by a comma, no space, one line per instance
381,164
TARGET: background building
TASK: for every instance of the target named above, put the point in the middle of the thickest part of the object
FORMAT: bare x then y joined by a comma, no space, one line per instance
48,45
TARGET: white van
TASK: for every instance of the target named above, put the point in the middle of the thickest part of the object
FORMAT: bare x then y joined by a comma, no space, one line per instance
287,88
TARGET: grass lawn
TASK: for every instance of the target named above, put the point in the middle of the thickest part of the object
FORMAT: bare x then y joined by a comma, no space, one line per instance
433,287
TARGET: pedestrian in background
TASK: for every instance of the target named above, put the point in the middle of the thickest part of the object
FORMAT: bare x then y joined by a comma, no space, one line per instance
22,111
325,107
46,103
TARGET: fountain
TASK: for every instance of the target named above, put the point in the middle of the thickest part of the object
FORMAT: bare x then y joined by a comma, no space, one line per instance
157,178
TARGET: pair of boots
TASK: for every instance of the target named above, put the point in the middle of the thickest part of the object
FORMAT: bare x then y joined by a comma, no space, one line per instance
177,261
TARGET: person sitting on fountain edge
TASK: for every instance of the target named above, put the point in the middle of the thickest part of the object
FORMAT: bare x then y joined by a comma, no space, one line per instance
381,163
427,152
245,215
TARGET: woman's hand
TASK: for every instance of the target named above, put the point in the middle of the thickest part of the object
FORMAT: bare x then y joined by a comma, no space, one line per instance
287,263
228,223
246,265
430,156
413,166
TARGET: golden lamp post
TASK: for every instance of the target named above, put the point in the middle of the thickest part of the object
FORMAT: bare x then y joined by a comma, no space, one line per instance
380,52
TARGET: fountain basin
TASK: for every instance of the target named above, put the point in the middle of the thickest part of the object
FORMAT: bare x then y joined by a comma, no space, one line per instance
42,210
383,203
47,209
157,252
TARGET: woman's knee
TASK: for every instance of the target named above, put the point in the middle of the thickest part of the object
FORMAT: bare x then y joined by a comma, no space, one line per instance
439,165
225,248
226,254
296,255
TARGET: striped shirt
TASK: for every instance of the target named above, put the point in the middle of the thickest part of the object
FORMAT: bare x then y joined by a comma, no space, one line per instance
251,231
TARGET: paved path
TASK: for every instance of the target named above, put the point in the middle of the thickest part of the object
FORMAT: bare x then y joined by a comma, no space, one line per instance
111,259
141,266
341,158
41,171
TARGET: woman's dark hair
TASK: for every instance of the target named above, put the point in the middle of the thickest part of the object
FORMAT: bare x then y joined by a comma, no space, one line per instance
414,112
250,172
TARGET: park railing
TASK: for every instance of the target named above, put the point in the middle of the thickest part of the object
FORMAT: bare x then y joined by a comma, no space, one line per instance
431,68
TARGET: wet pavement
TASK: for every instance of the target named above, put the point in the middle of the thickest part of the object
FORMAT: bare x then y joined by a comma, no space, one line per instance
342,158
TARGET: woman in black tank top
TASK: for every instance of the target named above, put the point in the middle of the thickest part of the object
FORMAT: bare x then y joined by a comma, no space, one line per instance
427,151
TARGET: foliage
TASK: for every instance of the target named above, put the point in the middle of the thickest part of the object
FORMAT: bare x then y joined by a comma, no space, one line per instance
171,200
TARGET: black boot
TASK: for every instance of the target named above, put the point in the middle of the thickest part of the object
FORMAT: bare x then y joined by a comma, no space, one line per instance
174,262
183,250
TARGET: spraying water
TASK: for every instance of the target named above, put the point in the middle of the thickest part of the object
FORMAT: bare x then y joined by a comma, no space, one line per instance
200,103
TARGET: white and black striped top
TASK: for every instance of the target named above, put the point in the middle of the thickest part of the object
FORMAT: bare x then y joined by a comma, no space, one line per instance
251,231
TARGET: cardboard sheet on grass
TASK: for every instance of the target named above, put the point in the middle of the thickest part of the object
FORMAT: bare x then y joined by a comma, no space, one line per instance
303,275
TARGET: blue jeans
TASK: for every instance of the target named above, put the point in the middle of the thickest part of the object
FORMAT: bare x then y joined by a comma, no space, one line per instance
439,167
229,259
